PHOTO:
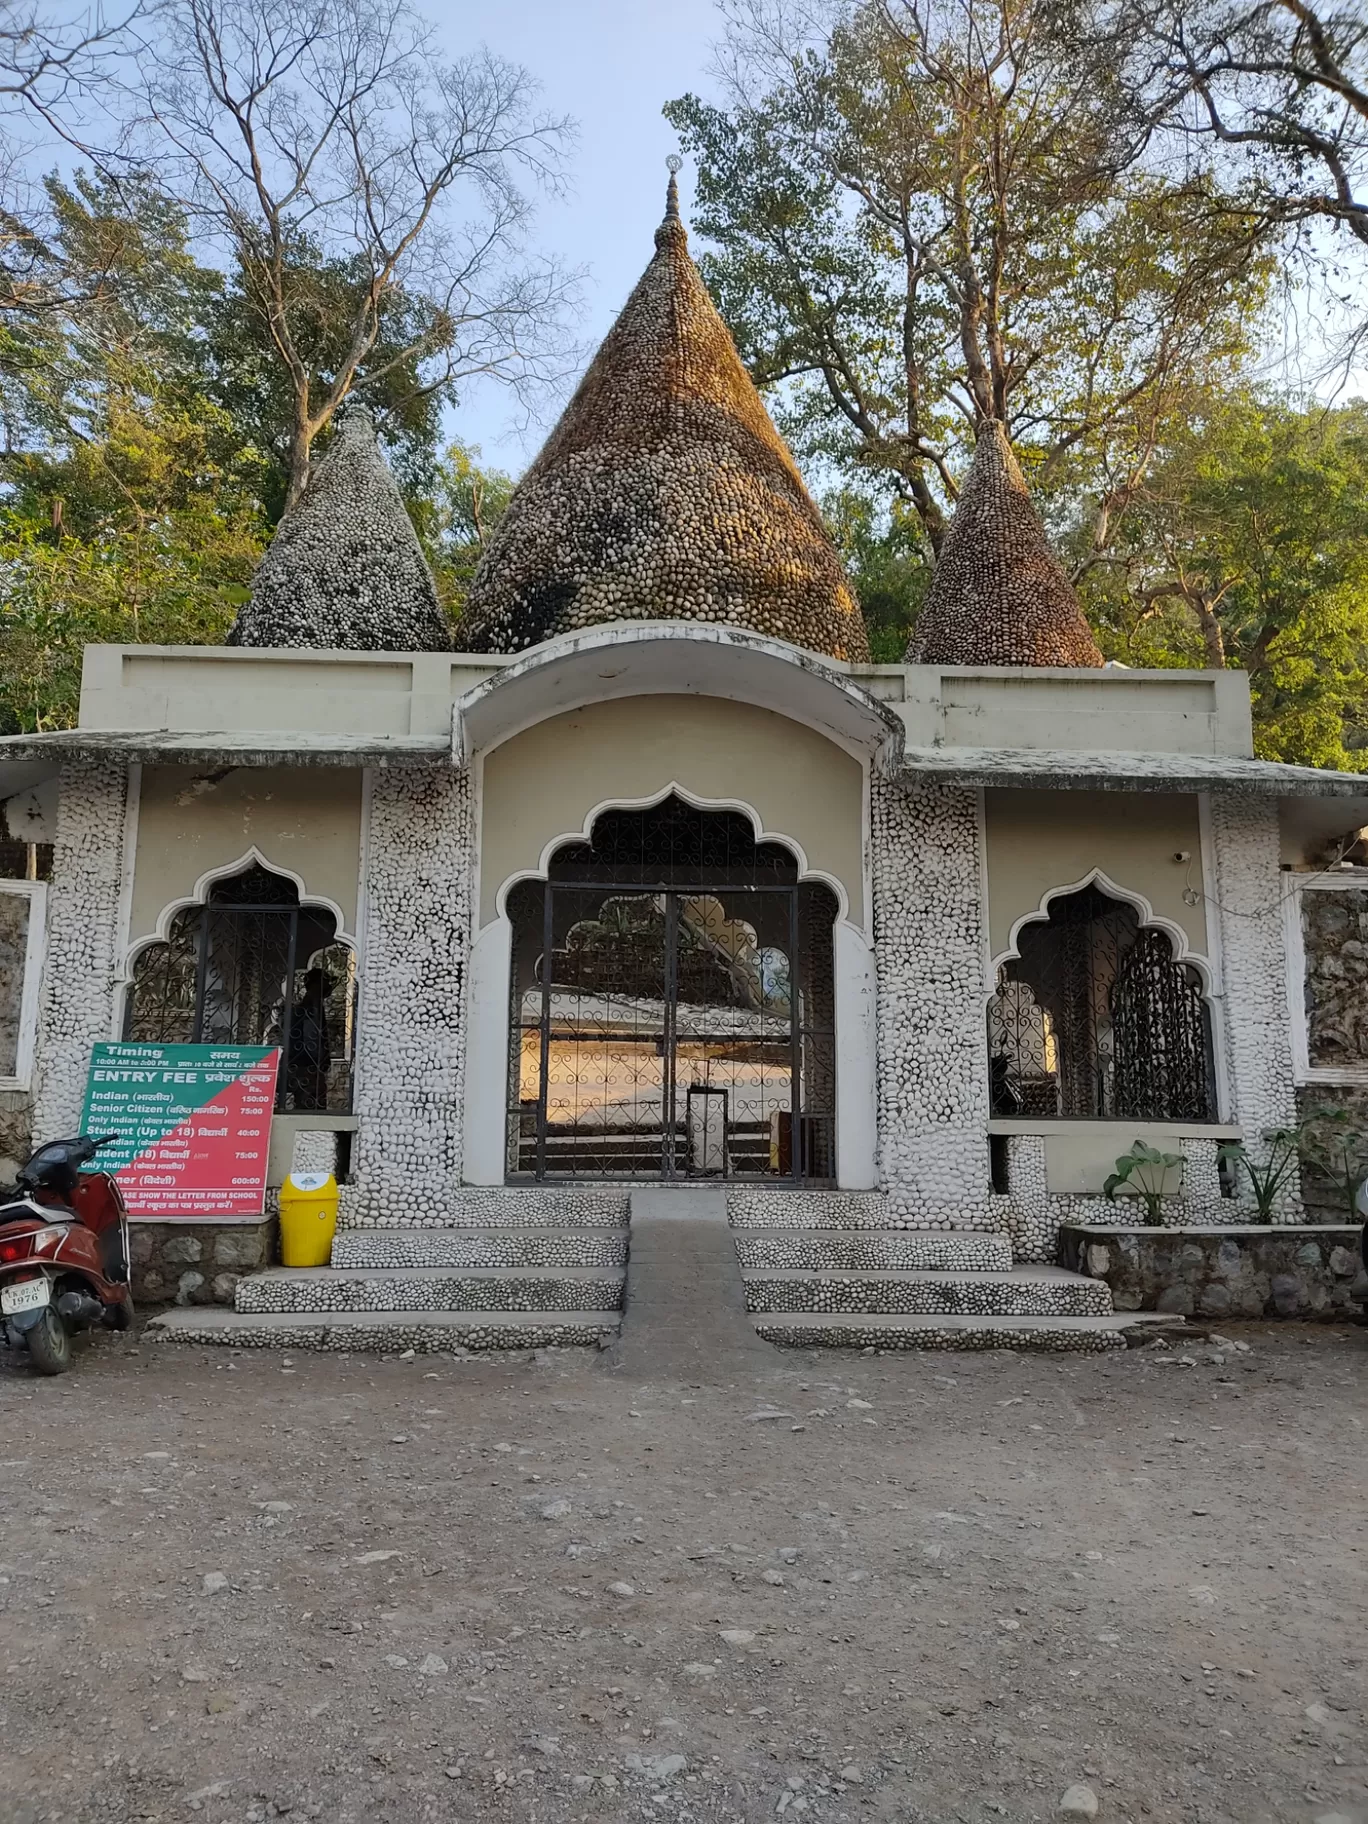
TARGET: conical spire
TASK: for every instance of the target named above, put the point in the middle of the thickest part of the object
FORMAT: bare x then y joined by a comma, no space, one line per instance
664,493
998,595
345,568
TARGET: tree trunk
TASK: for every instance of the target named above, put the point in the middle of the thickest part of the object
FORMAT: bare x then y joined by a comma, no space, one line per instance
1212,636
301,447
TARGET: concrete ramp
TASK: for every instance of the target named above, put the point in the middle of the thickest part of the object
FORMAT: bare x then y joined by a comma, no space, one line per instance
684,1312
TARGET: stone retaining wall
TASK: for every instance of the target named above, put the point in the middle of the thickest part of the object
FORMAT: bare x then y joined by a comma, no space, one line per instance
197,1263
1302,1271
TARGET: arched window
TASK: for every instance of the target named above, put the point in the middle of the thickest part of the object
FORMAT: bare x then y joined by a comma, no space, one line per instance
252,966
1096,1017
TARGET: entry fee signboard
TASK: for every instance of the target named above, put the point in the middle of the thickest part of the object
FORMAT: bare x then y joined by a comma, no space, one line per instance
194,1125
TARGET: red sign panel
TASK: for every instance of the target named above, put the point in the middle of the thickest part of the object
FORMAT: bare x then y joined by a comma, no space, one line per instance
194,1125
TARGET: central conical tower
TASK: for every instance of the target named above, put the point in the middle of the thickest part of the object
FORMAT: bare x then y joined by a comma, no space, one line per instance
664,493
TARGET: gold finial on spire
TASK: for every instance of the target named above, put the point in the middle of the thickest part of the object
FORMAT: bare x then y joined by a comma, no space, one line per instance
672,165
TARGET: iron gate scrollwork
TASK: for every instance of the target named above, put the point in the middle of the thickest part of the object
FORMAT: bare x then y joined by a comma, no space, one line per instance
673,1006
252,966
1096,1017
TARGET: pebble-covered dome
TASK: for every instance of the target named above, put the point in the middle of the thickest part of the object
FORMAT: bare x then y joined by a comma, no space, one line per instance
998,595
345,568
664,493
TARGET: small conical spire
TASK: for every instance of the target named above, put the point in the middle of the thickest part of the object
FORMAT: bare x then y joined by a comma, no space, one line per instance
999,595
672,163
345,569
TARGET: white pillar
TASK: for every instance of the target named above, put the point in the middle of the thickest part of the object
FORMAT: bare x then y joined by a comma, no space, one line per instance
933,1056
411,1018
1245,903
81,966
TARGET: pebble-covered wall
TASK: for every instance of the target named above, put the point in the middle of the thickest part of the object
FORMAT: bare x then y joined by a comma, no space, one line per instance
932,1051
79,972
410,1023
1246,903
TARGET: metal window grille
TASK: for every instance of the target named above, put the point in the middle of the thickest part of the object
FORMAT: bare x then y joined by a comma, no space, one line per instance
673,1006
254,967
1096,1018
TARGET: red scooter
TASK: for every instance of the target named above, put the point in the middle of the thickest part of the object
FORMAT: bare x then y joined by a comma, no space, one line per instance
63,1252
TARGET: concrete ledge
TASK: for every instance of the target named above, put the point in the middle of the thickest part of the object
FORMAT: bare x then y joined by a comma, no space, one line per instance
1293,1270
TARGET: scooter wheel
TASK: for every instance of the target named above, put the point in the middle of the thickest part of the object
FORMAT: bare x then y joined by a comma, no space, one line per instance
49,1344
120,1316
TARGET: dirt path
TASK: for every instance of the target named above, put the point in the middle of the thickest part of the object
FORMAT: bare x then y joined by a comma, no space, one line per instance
937,1588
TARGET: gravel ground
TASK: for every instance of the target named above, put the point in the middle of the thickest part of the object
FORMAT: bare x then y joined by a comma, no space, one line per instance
914,1588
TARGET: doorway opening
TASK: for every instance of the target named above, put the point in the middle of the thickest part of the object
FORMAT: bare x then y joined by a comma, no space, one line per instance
673,1006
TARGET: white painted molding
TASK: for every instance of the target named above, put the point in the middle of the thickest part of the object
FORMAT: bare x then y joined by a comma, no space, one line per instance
199,895
1098,877
488,1036
675,789
490,1013
35,952
1294,949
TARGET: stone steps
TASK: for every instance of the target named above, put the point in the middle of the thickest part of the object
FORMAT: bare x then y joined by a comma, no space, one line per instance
500,1206
483,1247
320,1291
1031,1292
837,1250
1072,1335
388,1332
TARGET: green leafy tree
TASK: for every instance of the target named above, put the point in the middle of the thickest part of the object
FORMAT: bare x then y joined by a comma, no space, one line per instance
455,514
131,509
888,558
1248,546
926,217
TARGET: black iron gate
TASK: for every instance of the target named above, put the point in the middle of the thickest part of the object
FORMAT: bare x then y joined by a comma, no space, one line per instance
673,1007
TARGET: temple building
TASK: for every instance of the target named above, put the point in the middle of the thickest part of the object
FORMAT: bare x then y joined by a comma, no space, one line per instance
657,879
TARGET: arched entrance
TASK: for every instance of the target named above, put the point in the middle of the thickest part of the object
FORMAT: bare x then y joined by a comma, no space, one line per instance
672,1006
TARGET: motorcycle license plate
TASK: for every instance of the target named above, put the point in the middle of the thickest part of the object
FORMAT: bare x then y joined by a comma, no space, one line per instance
28,1295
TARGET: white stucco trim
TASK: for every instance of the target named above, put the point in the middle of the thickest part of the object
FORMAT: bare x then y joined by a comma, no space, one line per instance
199,894
1294,949
490,1009
488,1016
676,790
35,950
1098,877
124,916
857,1106
674,658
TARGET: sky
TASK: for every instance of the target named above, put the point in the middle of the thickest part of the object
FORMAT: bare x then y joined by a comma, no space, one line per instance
612,64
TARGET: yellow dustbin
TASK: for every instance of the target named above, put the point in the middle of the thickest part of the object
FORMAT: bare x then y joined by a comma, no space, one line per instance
308,1219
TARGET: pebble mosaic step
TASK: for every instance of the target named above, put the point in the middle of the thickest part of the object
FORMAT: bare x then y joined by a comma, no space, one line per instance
1022,1292
1055,1335
320,1290
487,1247
829,1250
500,1206
759,1206
388,1332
